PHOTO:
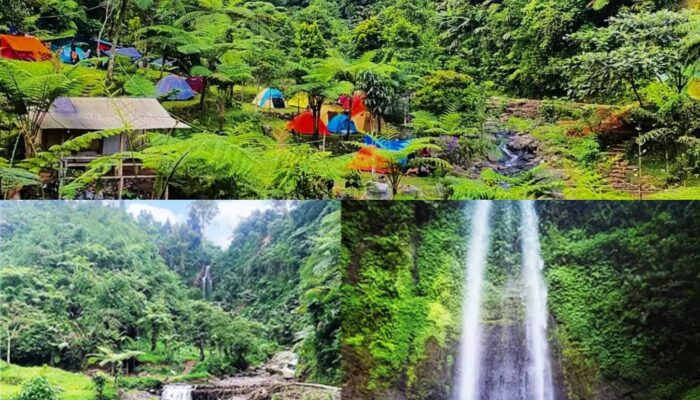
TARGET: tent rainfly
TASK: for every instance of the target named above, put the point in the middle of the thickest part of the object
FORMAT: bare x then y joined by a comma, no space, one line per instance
303,124
269,98
26,48
175,87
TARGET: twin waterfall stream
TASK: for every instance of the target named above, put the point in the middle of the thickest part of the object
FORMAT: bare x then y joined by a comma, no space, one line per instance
509,359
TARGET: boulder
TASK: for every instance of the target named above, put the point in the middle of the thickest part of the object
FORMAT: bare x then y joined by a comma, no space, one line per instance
378,191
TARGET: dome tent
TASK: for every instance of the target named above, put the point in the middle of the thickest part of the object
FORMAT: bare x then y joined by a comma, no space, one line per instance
175,87
342,124
303,124
269,98
65,54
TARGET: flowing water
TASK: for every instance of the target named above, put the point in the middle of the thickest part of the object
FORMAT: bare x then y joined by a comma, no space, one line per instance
206,282
470,347
504,353
540,369
177,392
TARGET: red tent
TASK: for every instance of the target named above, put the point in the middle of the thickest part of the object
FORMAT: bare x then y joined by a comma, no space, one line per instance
304,125
358,105
25,48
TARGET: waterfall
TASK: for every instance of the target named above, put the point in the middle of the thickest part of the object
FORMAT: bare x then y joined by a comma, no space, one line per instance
504,351
206,282
540,370
177,392
470,348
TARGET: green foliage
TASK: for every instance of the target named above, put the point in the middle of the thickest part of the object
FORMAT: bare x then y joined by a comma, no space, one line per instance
449,90
38,388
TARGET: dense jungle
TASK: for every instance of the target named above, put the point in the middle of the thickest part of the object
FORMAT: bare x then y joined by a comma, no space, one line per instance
448,300
371,99
96,303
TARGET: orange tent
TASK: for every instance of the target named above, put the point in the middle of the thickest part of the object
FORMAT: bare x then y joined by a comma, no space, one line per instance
25,48
367,159
304,124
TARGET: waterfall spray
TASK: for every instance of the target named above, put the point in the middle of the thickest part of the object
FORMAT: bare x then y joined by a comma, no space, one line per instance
540,371
470,347
177,392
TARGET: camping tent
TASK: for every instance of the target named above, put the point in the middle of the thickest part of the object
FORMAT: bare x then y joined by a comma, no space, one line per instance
196,83
176,84
392,145
304,124
65,54
269,98
328,111
25,48
130,52
367,159
299,100
342,124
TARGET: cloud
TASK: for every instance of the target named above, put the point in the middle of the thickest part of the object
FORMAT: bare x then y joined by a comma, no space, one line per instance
231,213
160,214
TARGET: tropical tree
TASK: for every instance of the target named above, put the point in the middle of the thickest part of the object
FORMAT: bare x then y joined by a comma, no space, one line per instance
157,321
115,360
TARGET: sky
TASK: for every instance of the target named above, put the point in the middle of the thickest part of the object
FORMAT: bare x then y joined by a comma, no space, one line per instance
219,230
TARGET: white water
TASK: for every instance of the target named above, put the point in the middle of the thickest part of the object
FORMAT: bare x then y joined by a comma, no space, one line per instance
471,344
540,370
206,282
177,392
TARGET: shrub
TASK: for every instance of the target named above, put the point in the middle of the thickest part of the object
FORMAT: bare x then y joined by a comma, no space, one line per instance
100,381
38,388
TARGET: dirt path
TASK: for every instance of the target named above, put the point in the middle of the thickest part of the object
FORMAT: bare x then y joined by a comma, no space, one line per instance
620,175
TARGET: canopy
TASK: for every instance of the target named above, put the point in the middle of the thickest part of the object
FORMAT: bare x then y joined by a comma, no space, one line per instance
269,98
392,145
342,124
299,100
25,48
101,113
304,124
130,52
174,86
65,54
367,159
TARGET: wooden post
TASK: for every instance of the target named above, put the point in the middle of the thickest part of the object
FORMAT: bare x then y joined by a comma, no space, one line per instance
120,168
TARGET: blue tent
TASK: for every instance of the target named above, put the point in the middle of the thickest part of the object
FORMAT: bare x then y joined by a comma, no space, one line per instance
65,54
341,124
269,98
175,86
393,145
126,52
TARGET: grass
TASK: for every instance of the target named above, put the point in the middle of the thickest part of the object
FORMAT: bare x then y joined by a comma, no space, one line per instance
74,386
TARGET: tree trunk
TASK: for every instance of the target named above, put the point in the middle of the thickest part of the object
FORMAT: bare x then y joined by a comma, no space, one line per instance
9,346
201,352
202,103
115,39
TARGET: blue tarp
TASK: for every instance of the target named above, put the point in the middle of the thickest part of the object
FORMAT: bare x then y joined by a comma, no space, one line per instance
126,52
65,54
341,124
393,145
176,85
269,94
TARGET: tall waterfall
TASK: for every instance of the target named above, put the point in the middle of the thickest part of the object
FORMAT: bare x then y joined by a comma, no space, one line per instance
177,392
504,353
206,282
470,347
540,371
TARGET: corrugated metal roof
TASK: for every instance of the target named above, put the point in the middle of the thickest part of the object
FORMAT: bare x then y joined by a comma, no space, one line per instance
101,113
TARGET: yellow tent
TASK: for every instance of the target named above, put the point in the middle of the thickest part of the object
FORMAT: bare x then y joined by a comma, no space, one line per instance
299,100
328,111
